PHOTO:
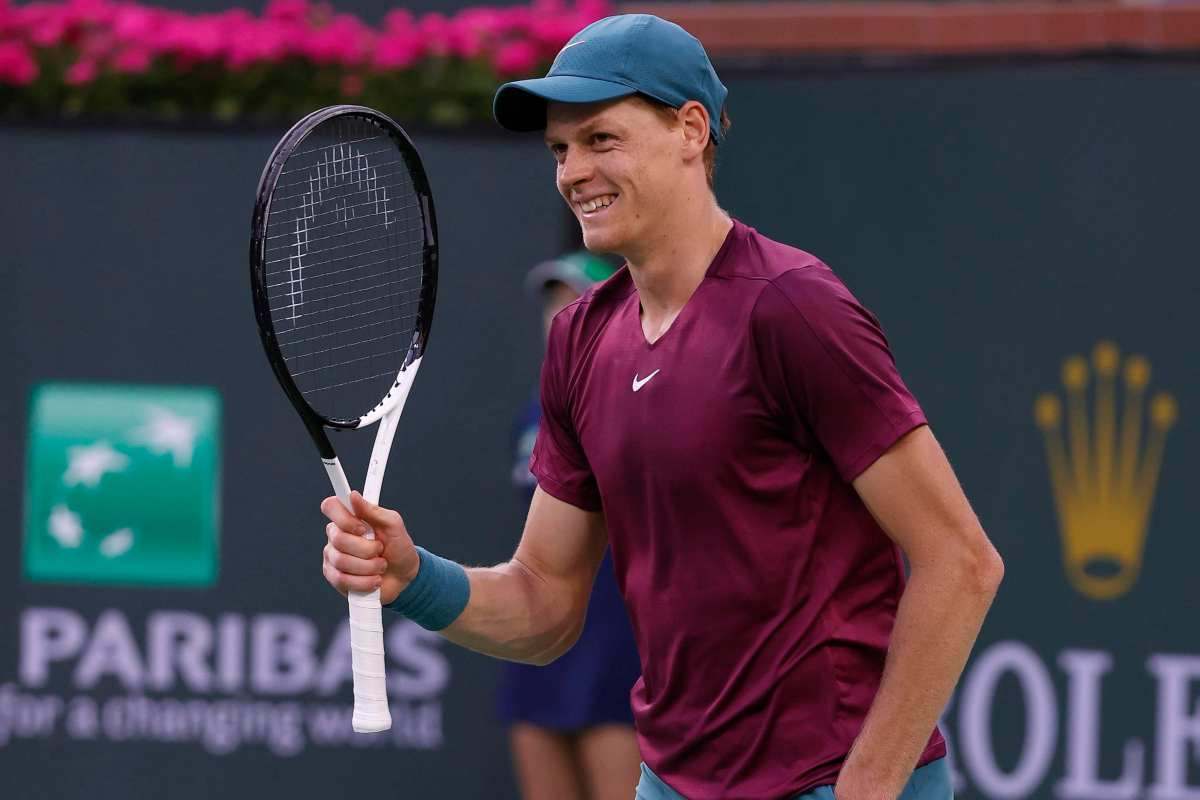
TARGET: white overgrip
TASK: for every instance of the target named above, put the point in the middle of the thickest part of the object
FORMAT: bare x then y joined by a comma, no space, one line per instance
371,713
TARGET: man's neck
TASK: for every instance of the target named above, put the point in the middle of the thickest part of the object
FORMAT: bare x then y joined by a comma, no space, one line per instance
668,270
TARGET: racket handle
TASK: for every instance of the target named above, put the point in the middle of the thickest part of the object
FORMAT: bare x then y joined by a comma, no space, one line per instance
371,713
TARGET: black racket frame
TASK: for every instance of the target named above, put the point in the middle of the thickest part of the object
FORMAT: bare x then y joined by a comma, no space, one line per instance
313,420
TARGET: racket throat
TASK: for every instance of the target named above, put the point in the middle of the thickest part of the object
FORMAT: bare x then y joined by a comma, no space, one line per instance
316,432
388,413
379,456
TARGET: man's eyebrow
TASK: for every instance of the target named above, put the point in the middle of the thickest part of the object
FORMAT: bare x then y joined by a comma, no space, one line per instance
591,126
585,130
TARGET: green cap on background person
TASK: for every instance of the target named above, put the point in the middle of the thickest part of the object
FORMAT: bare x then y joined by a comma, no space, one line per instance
580,271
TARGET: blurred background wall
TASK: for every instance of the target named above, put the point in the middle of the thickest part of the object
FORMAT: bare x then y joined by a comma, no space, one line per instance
1023,229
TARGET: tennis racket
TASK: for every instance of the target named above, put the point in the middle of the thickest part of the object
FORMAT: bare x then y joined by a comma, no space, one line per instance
343,265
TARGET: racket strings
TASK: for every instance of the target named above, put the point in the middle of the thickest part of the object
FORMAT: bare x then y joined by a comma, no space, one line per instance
286,245
345,265
321,180
330,309
370,303
387,258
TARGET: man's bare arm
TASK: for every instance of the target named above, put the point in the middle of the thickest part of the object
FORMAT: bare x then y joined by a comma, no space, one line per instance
530,608
955,572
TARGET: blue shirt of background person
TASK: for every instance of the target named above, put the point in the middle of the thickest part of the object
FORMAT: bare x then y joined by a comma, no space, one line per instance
570,724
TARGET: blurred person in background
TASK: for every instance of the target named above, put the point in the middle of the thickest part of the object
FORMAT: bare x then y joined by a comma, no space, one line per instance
570,724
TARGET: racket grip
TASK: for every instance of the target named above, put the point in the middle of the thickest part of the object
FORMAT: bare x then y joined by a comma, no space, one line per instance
371,713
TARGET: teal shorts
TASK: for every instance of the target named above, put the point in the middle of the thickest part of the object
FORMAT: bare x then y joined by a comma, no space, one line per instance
930,782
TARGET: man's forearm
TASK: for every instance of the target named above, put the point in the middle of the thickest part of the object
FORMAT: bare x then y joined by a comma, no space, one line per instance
514,614
939,616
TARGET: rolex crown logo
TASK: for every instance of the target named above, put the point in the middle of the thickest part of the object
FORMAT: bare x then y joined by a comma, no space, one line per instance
1104,475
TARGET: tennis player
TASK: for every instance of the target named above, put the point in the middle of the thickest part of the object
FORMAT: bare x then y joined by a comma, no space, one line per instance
569,723
726,413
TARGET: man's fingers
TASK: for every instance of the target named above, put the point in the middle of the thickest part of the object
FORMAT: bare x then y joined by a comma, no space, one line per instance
352,565
349,583
337,513
377,517
352,544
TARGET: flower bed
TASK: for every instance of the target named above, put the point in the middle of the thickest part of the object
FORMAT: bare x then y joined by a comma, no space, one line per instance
97,58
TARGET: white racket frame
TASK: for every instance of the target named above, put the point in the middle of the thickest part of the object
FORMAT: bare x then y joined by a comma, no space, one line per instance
371,714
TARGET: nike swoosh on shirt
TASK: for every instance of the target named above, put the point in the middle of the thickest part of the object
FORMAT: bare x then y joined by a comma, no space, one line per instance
639,383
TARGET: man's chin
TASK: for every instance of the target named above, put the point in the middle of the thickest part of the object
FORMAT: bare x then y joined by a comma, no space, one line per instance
601,241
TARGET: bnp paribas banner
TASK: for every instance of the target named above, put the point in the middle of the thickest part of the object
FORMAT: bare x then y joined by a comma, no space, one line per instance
123,490
1093,690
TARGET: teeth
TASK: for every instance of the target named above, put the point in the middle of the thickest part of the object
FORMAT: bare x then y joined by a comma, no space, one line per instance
600,202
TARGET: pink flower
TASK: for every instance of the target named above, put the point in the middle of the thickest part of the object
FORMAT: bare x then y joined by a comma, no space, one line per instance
436,33
518,19
551,33
264,43
46,26
592,10
287,10
135,23
17,66
465,38
98,44
344,41
133,61
196,39
82,71
10,19
397,50
399,19
91,11
482,20
515,58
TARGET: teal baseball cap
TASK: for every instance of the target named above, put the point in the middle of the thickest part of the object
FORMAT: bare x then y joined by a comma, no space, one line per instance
617,57
580,270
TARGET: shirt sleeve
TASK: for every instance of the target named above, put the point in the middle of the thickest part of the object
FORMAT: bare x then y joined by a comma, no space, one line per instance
558,460
829,373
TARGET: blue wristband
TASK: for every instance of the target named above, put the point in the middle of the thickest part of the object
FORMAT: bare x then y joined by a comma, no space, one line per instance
437,595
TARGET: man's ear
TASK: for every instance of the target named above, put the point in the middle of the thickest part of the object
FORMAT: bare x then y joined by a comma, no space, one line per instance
693,119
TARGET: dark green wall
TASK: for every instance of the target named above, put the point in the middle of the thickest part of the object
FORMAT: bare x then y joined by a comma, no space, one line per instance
999,219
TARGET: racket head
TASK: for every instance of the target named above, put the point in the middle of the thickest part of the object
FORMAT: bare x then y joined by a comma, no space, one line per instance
343,264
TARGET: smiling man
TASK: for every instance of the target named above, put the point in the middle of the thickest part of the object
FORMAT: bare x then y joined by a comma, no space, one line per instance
728,415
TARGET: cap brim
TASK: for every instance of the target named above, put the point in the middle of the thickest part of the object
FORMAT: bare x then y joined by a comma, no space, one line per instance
549,272
521,105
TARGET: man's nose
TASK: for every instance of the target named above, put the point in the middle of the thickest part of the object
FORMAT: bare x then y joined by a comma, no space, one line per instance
576,168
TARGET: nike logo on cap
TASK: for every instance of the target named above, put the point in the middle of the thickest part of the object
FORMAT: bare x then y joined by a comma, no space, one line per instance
638,383
567,45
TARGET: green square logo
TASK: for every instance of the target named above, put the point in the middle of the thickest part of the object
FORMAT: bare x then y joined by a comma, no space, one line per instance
122,484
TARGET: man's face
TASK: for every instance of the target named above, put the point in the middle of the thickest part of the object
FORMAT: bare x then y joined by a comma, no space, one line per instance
618,166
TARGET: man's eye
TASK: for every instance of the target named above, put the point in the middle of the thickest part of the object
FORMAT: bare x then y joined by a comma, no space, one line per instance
601,138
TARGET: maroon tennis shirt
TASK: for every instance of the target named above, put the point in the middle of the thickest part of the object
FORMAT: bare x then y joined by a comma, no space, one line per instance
761,590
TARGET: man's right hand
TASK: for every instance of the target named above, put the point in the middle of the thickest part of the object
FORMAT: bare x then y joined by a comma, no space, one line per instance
354,563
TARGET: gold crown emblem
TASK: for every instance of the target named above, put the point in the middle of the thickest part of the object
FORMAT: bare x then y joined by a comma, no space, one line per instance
1103,478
